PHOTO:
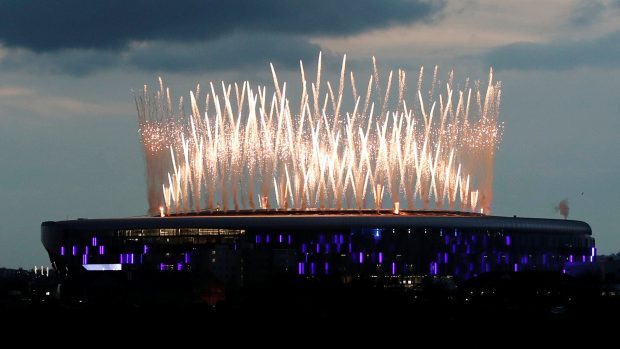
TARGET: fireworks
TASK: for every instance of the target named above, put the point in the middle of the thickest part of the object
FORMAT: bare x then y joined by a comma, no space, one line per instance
236,147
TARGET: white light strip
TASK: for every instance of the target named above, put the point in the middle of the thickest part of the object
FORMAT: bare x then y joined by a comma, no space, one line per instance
102,267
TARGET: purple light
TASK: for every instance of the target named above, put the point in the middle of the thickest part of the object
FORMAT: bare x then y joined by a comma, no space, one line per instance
433,268
303,248
342,238
186,257
318,248
445,257
326,267
350,248
257,239
289,239
86,249
508,240
267,238
570,258
312,269
94,241
101,249
467,249
179,266
393,268
280,238
74,250
84,259
361,257
122,258
327,248
300,268
453,248
62,250
380,257
146,249
583,258
161,266
516,267
447,239
338,248
563,271
130,258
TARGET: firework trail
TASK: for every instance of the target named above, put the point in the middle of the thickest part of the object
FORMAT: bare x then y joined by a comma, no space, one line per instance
234,147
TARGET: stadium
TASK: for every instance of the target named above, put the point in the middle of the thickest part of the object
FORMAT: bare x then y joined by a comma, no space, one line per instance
252,198
215,256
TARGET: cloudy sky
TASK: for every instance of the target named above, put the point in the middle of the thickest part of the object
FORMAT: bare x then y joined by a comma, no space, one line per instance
68,132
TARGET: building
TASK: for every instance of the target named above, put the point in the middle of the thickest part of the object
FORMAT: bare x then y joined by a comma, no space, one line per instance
211,257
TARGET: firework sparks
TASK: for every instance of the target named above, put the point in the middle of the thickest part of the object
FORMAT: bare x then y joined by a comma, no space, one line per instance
234,147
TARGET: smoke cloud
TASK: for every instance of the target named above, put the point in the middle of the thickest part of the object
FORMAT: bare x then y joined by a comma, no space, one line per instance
563,208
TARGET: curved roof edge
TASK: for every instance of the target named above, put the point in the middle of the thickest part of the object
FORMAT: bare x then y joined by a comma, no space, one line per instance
329,221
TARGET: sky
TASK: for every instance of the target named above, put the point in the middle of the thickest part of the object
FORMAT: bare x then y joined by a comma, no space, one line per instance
69,145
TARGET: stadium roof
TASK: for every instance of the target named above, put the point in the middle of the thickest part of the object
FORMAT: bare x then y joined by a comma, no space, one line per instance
332,220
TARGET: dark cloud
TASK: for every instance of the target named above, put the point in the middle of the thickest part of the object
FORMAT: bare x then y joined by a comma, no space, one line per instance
587,12
602,52
48,25
71,61
236,51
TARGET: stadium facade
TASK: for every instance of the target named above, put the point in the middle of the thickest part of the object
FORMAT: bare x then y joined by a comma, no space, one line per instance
218,254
